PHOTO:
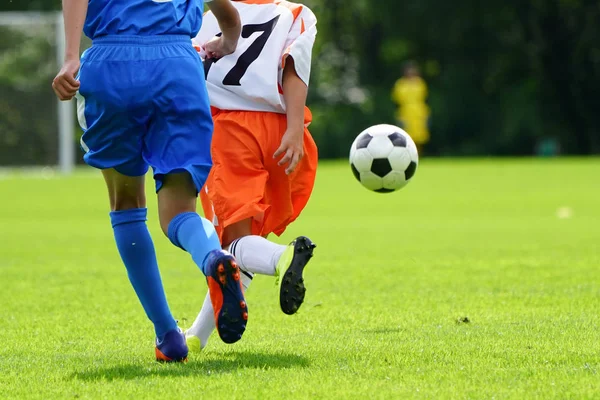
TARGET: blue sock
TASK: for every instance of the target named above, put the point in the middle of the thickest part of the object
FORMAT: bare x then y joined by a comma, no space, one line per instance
137,252
194,234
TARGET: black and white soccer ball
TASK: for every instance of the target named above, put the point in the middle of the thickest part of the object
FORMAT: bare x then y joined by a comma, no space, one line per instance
384,158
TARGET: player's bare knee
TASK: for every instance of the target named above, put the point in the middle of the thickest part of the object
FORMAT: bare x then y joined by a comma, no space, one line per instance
124,192
236,231
127,198
125,201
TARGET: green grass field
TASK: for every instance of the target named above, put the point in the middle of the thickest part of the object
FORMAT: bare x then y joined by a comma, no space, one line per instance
465,284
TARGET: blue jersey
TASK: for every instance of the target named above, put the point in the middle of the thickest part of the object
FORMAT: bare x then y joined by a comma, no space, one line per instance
143,17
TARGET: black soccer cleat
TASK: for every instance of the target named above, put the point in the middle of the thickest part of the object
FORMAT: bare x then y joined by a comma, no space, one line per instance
289,272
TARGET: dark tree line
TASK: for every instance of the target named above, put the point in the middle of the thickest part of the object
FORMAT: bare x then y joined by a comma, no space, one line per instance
503,76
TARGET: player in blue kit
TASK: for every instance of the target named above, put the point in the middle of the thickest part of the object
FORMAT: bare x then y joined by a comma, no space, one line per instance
142,101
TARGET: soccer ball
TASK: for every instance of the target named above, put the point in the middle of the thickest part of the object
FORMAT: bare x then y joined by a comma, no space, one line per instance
384,158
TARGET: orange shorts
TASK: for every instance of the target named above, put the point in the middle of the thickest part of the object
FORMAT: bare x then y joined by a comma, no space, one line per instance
246,182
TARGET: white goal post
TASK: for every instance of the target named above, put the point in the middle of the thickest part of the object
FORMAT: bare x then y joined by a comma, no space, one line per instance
66,110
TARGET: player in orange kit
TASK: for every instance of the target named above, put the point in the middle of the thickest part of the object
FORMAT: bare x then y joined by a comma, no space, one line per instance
264,158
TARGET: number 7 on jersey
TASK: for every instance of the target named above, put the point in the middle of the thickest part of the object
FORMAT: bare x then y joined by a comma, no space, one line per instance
234,76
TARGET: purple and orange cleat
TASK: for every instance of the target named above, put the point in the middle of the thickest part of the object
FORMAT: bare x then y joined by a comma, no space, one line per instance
172,348
226,295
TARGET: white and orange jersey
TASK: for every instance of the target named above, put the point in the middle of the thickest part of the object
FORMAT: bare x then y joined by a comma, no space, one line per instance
250,79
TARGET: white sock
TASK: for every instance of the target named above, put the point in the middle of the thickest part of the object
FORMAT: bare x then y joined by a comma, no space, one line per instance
256,254
204,325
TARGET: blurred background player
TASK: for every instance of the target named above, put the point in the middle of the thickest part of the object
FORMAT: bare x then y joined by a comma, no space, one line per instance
410,94
129,125
264,158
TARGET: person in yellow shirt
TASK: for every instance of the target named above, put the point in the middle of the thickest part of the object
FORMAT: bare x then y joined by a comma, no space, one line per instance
410,93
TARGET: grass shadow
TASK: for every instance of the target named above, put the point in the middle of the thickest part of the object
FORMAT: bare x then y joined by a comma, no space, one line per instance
212,364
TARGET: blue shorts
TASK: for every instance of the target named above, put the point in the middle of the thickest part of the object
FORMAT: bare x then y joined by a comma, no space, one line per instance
143,102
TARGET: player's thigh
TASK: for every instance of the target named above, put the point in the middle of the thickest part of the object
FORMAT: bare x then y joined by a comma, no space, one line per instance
111,117
124,192
180,132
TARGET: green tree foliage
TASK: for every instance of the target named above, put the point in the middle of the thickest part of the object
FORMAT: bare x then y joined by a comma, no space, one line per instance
30,5
502,75
28,116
